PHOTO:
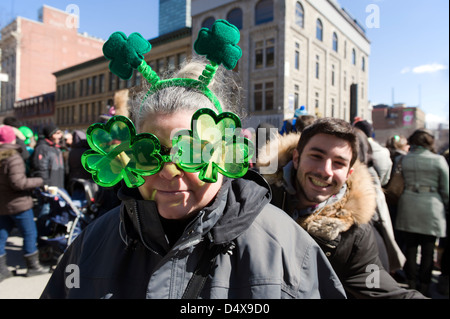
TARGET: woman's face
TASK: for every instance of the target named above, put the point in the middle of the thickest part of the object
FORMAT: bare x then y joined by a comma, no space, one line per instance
177,193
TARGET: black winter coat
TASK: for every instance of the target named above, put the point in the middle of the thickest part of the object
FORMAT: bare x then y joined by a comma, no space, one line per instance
47,162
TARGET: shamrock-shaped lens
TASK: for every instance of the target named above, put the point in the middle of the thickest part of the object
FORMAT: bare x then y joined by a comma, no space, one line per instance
118,153
213,145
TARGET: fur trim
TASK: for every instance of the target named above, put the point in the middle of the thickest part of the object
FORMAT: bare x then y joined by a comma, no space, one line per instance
356,207
279,150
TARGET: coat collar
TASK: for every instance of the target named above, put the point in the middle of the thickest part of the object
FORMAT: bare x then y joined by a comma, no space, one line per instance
236,206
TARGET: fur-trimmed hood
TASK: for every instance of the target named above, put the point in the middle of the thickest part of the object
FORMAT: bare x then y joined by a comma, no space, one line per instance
357,206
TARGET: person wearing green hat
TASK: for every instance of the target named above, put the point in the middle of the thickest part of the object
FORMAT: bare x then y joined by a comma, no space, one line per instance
29,142
17,204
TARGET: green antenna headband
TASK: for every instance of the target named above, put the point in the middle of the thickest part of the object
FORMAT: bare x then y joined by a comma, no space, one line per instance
212,145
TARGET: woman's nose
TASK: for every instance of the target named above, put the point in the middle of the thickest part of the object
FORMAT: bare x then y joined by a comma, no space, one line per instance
170,171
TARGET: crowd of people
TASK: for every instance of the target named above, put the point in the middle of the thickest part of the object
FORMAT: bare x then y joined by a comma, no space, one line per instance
318,226
30,163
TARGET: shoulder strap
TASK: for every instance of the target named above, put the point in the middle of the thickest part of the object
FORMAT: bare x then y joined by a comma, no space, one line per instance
399,165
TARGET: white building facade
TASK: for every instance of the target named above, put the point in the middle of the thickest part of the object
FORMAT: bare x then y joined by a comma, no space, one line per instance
295,52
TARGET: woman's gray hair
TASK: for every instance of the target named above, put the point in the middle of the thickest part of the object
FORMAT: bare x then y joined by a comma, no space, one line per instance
171,99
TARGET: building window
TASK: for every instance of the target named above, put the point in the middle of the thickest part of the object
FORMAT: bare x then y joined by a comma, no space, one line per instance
332,107
345,80
363,64
181,58
171,63
345,49
264,12
269,96
263,96
161,64
317,67
258,97
235,18
265,53
208,22
296,96
353,57
297,60
335,42
319,30
94,85
332,75
94,114
138,79
270,52
362,90
299,15
86,113
101,83
74,89
112,79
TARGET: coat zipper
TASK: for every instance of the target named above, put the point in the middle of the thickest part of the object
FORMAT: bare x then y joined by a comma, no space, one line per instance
140,231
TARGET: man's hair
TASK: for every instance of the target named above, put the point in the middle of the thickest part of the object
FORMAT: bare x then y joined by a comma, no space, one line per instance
330,126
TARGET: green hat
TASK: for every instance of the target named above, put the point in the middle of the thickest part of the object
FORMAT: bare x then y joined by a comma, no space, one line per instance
27,132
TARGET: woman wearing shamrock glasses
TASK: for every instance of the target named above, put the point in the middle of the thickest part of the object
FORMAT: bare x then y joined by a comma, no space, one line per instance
182,230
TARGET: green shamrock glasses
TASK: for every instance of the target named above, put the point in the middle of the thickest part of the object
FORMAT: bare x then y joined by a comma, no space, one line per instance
214,143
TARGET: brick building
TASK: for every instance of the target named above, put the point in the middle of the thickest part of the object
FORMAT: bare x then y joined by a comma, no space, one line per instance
87,90
33,50
403,120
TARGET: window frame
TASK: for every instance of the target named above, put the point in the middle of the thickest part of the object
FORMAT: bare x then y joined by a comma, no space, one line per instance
237,14
319,30
299,15
264,17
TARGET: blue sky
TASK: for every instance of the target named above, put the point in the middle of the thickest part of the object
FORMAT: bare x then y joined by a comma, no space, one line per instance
409,41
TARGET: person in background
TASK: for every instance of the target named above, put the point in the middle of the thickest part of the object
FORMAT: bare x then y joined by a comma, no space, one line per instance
390,253
443,280
332,196
289,125
30,143
422,207
17,204
381,157
397,146
20,138
47,162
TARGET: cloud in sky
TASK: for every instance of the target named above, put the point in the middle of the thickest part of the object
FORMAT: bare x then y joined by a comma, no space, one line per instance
425,68
433,121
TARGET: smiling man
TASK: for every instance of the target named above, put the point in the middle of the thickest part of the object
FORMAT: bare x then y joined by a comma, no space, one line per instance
329,193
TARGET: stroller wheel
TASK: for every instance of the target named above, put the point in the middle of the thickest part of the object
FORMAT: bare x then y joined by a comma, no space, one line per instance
45,254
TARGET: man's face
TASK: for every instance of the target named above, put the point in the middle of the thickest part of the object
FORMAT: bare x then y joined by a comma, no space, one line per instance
322,168
56,137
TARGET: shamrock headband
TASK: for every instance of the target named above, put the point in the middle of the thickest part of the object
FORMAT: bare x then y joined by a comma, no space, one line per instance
212,145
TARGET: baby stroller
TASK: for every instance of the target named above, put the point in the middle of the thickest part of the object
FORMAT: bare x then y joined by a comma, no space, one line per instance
67,218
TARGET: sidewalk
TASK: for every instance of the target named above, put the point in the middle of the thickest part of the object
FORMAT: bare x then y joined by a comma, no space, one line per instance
19,286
